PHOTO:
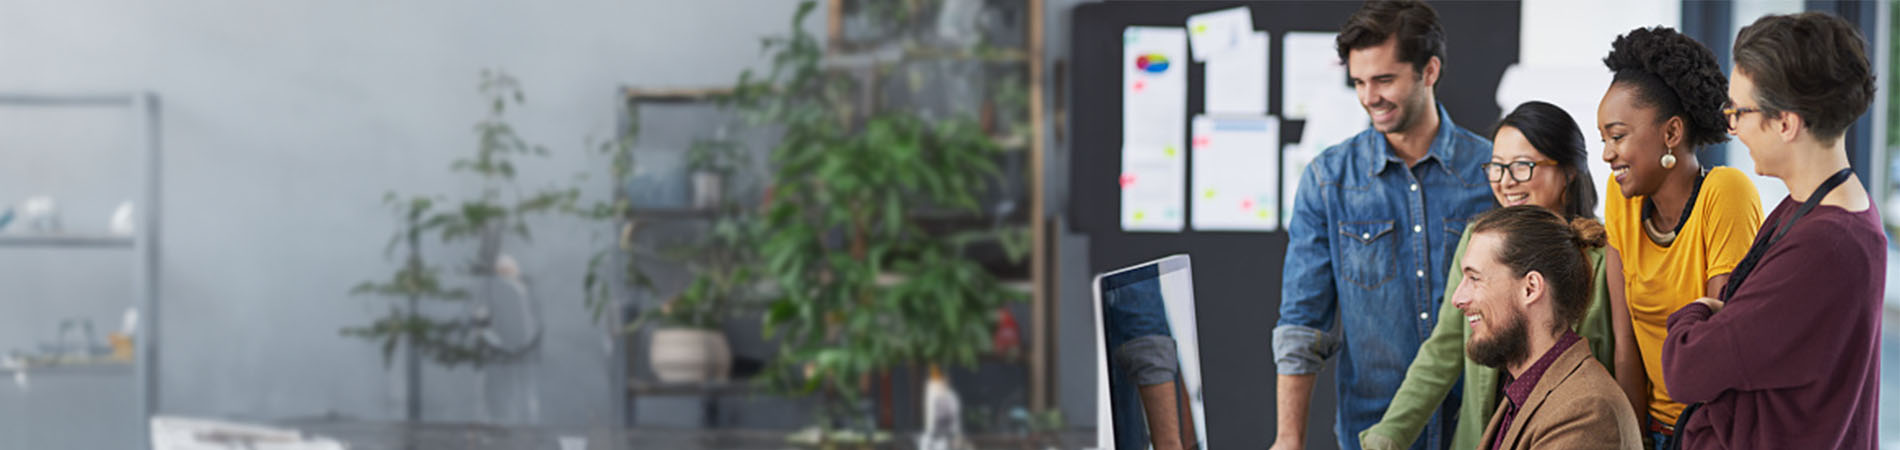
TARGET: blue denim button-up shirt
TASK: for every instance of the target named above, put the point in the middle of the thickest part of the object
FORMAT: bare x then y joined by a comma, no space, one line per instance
1371,242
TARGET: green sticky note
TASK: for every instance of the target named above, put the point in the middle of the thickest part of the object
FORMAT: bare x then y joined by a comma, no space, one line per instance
1140,215
1170,151
1202,28
1210,193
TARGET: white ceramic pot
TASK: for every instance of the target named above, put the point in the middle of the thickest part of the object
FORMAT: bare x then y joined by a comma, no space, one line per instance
690,355
707,190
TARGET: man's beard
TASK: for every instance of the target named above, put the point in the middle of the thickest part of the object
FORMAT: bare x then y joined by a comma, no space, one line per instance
1509,344
1409,111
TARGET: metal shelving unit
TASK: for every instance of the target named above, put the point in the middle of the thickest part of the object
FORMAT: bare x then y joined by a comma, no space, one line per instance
142,246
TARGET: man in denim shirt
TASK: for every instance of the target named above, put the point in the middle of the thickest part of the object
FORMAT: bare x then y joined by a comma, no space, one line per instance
1374,225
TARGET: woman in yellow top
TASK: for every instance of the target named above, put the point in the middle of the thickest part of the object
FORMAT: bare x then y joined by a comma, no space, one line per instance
1675,229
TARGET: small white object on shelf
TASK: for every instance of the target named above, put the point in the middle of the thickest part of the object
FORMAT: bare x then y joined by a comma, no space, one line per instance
129,323
943,423
122,220
18,366
41,214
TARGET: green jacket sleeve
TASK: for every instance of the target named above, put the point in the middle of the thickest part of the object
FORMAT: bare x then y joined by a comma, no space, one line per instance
1439,363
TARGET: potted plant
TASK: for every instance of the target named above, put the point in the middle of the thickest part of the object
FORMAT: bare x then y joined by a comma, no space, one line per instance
687,344
499,212
864,286
686,340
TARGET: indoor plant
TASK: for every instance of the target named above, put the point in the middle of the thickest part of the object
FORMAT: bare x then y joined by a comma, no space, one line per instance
500,211
864,286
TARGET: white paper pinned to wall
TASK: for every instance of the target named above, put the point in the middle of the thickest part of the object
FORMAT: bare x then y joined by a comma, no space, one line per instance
1214,34
1154,127
1310,70
1332,118
1236,174
1236,83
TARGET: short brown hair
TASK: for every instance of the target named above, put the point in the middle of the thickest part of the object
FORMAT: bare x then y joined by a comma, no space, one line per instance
1538,240
1813,64
1413,22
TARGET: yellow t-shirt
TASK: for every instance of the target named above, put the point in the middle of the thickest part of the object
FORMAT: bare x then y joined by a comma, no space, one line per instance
1659,280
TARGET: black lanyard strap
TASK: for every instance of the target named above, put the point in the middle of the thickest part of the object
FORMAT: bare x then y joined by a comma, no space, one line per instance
1761,246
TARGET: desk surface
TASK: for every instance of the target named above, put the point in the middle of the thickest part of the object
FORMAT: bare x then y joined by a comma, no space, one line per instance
359,435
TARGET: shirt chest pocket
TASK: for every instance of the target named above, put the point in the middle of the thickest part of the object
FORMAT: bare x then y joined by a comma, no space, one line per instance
1368,253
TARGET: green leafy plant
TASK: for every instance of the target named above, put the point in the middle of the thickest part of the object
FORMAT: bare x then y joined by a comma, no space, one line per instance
724,261
863,285
502,208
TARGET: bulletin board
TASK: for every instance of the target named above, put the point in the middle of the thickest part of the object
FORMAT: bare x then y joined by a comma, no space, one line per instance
1237,274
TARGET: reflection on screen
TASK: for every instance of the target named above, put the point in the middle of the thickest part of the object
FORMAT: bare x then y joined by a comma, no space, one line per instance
1153,358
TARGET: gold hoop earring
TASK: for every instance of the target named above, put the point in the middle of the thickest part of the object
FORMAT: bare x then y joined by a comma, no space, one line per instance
1669,160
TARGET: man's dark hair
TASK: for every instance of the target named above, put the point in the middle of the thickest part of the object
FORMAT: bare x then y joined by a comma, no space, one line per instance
1414,23
1812,64
1676,75
1537,240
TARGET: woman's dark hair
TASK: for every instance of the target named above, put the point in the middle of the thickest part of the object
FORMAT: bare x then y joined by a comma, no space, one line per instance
1537,240
1676,75
1415,23
1812,64
1555,134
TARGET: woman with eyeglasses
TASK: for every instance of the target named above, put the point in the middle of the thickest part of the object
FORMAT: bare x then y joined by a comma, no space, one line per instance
1789,357
1676,229
1537,158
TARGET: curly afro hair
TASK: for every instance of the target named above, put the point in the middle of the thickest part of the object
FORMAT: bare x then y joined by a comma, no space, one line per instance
1676,75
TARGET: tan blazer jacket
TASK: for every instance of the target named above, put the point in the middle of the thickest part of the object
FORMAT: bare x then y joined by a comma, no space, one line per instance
1576,405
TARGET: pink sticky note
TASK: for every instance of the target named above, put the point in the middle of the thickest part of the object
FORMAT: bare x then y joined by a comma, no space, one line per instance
1139,85
1128,179
1201,142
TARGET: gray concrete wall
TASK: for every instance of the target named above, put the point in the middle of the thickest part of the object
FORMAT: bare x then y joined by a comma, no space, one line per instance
283,125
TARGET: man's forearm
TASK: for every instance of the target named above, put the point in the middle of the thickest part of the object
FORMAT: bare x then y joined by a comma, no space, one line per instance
1169,427
1295,391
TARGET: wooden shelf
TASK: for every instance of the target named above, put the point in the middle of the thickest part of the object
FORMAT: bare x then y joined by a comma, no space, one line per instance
676,95
672,214
67,241
642,386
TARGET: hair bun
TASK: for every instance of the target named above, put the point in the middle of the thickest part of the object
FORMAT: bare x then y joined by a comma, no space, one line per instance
1589,233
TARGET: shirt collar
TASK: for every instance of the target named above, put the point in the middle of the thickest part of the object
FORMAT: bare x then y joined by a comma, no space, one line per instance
1379,154
1519,389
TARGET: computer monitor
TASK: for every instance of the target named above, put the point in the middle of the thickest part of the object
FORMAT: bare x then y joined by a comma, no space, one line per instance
1149,381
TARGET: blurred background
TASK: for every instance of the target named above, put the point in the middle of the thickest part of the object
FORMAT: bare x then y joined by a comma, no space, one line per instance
654,224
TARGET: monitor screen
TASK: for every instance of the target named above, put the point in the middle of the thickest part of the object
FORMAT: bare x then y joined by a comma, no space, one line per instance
1150,378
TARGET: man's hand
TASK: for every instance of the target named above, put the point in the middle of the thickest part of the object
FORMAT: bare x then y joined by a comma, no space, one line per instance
1288,444
1715,306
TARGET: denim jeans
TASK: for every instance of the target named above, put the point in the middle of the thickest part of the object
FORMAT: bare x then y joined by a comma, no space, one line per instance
1657,439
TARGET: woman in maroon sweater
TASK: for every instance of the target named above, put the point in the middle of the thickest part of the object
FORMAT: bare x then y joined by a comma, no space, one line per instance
1790,356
